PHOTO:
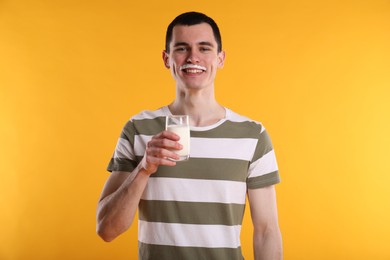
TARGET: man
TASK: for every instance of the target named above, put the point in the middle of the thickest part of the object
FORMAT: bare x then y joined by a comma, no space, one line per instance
193,209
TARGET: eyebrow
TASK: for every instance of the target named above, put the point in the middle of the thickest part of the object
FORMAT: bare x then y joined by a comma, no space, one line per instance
207,44
180,44
200,43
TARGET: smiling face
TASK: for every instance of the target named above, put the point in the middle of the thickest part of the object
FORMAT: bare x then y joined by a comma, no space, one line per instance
193,57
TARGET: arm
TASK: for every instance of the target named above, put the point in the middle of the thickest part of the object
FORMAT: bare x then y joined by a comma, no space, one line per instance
122,192
267,239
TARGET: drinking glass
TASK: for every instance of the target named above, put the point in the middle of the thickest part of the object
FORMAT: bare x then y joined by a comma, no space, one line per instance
180,125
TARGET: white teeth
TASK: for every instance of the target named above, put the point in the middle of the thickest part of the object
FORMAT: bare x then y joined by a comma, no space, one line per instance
194,71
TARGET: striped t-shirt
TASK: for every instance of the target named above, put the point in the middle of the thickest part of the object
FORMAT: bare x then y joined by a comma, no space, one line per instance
194,210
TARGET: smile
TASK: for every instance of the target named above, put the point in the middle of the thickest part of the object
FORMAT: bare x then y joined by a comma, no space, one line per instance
192,68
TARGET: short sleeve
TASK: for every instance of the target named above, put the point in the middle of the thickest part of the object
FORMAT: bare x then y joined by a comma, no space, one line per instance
124,158
263,168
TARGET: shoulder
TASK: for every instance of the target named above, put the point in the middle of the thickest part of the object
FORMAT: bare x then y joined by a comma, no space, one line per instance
144,118
150,114
243,121
147,122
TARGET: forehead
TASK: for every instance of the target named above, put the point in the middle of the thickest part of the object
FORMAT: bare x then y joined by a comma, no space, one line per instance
193,34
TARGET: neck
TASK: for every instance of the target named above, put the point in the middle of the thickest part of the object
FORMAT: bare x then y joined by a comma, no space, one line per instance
202,108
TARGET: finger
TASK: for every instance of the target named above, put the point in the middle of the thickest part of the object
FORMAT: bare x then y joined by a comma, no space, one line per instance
164,143
160,161
158,152
168,135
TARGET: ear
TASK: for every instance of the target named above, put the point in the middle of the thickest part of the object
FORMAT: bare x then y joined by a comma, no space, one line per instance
221,59
165,57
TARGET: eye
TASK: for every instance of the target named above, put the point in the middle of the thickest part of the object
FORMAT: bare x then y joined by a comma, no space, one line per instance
181,49
204,49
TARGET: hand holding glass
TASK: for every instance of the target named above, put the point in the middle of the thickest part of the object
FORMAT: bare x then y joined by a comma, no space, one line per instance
180,125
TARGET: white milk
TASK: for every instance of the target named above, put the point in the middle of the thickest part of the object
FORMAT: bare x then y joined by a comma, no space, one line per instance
184,133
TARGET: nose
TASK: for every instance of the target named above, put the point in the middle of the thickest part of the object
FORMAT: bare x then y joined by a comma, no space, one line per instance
193,57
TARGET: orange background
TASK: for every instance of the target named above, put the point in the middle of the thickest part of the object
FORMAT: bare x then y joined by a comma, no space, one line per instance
316,73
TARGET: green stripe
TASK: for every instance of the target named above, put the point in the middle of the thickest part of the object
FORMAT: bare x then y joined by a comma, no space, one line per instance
264,180
128,132
149,126
161,252
207,169
231,129
191,212
121,164
264,145
142,127
228,129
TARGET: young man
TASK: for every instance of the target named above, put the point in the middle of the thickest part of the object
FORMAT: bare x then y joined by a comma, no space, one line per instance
193,209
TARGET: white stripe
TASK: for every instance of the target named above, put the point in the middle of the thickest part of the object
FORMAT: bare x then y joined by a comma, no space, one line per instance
140,142
234,117
264,165
223,148
211,236
190,190
150,114
206,128
228,148
123,149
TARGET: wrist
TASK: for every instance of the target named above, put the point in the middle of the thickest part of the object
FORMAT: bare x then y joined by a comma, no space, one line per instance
143,169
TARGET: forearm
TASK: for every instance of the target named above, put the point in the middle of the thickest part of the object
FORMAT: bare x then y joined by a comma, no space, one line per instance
116,211
267,245
122,194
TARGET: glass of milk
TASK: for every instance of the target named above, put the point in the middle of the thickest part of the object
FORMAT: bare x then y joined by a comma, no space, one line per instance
180,125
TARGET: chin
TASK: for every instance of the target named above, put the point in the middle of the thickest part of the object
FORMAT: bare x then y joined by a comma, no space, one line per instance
194,87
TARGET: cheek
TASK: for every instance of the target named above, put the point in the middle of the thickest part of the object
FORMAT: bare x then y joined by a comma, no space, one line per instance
177,58
214,65
175,69
175,64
